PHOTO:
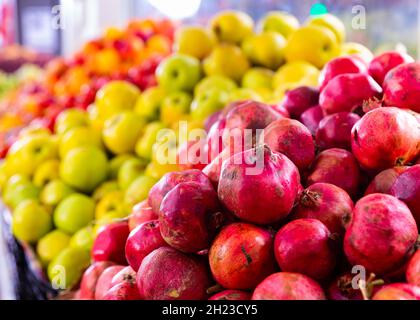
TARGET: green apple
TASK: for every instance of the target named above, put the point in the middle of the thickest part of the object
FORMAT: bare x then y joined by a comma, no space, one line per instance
116,163
139,190
174,107
46,172
51,245
256,78
74,212
144,145
30,221
69,119
77,137
116,96
67,268
122,131
54,192
207,103
84,168
218,82
19,189
83,239
105,188
232,26
148,105
244,94
29,152
279,21
194,41
179,72
265,49
226,60
129,171
331,22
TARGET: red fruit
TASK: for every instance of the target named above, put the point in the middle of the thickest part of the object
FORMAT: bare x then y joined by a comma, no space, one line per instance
142,240
413,269
281,110
213,169
384,180
104,281
338,167
171,180
312,117
300,99
259,185
140,214
109,243
383,63
347,92
288,286
241,256
381,235
402,87
215,139
384,138
167,274
192,155
291,138
398,291
326,202
407,188
231,295
211,120
123,291
305,246
340,65
334,131
127,274
189,217
347,287
90,279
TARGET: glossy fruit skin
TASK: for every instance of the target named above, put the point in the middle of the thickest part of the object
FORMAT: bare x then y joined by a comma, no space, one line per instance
334,131
140,214
383,63
167,274
412,273
312,117
338,167
326,202
346,92
253,174
231,295
384,180
288,286
170,180
90,279
298,100
103,284
384,138
241,256
305,246
141,241
109,243
123,291
189,217
292,139
402,87
381,235
398,291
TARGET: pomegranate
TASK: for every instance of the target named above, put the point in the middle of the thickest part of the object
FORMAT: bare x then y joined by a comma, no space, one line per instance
281,110
104,281
141,213
231,295
385,137
407,188
402,87
398,291
338,167
213,169
126,290
192,155
384,180
413,269
293,139
346,287
259,185
141,241
90,279
312,117
172,179
340,65
288,286
297,100
189,217
109,243
346,92
167,274
241,256
326,202
381,235
126,274
305,246
211,120
334,131
383,63
215,139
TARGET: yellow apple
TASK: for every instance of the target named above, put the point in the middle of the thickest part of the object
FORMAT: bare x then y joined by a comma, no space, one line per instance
83,239
78,137
148,105
51,245
217,82
144,145
207,103
279,21
244,94
331,22
112,201
139,190
69,119
157,170
129,171
232,26
46,172
174,107
256,78
104,189
116,163
54,192
353,48
194,41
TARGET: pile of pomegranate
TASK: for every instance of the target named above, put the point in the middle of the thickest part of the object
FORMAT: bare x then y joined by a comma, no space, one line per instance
338,190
